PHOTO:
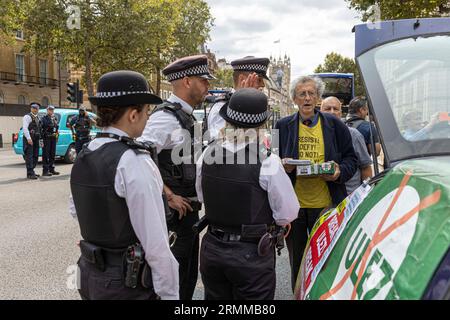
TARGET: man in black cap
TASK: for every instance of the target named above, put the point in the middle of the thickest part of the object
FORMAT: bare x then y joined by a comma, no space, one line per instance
247,204
189,77
249,72
31,135
82,125
50,128
117,199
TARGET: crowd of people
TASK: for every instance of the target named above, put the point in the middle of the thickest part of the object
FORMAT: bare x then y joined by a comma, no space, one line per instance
129,189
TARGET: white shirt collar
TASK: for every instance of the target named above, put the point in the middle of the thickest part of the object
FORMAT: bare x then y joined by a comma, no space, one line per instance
114,130
184,105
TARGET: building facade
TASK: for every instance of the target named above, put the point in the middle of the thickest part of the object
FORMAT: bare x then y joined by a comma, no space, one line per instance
26,78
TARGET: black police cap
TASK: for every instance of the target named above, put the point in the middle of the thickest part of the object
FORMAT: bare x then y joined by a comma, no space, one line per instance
123,88
247,108
252,64
188,67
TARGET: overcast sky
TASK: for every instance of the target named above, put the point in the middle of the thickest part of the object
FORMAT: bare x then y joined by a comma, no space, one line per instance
307,30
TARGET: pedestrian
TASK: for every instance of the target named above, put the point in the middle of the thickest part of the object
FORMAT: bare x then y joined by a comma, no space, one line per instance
358,111
117,199
81,126
248,72
333,106
49,126
312,135
31,125
189,77
246,204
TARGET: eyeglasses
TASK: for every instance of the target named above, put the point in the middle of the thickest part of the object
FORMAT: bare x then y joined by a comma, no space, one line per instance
303,94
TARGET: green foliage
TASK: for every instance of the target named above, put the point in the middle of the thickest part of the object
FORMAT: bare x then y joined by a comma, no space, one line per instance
224,79
141,35
401,9
334,62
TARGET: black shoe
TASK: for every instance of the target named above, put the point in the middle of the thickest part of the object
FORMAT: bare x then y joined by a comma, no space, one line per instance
32,176
55,173
46,174
37,175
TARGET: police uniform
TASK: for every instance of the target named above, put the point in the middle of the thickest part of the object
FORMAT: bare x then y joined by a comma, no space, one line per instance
82,124
248,64
117,198
50,128
31,130
164,130
237,257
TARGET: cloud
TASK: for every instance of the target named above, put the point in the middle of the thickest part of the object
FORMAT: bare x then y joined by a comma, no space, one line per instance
308,30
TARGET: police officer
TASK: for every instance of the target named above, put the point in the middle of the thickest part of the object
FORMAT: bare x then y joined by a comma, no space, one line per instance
189,77
82,125
249,72
49,126
246,203
31,135
117,198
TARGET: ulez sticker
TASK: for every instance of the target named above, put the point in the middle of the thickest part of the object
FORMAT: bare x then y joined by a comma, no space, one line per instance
384,243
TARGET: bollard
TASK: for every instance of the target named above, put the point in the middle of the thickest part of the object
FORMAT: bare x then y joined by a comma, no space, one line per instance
1,141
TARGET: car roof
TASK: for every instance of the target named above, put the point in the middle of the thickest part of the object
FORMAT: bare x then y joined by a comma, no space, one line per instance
64,110
369,36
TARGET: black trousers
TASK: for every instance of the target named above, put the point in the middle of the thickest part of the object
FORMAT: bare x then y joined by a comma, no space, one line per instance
48,154
109,284
185,251
233,270
79,142
298,237
31,154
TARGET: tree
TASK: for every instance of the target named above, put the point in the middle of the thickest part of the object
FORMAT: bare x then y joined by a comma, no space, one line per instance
334,62
403,9
141,35
224,79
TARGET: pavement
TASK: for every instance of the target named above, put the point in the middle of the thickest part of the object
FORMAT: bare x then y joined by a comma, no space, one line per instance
38,250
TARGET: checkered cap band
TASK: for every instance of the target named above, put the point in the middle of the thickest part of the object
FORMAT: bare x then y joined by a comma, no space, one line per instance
246,117
193,71
118,94
251,67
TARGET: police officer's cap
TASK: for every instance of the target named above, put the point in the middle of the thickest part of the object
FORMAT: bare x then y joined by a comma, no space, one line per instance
252,64
35,105
50,107
123,88
188,67
247,108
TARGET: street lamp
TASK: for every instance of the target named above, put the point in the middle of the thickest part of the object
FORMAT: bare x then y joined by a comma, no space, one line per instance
59,59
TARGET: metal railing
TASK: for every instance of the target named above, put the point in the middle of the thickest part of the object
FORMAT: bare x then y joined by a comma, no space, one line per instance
30,80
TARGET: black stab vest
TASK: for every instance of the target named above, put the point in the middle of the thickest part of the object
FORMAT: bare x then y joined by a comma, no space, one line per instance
49,125
232,194
82,126
103,216
179,178
34,127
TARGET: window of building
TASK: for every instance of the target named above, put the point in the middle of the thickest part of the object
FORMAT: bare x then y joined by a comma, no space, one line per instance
19,34
21,100
20,67
43,74
45,102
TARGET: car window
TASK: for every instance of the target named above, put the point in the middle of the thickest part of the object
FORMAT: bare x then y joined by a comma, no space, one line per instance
42,114
408,82
71,116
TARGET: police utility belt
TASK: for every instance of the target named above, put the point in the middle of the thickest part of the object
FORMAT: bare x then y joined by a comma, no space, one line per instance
132,261
265,236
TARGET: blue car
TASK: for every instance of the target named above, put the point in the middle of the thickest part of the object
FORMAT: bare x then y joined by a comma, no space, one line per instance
65,147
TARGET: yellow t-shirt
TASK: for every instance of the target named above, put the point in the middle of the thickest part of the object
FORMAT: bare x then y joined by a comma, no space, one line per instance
312,192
